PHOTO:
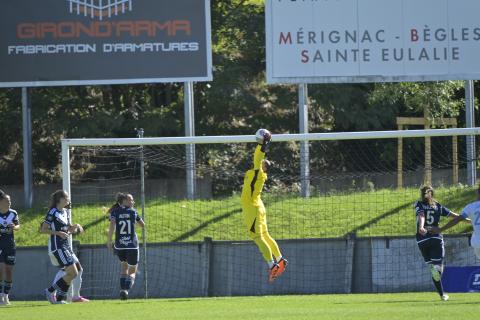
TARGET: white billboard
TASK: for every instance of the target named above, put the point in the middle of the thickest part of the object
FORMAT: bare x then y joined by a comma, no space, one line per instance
333,41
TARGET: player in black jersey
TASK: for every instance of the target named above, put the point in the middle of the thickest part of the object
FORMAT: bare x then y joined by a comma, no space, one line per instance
428,212
122,220
9,223
76,284
58,226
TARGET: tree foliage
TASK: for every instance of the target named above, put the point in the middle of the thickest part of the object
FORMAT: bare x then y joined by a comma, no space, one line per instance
237,101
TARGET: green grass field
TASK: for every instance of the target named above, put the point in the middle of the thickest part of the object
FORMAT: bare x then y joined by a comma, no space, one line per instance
358,306
376,213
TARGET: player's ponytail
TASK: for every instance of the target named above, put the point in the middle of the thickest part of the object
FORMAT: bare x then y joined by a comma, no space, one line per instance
119,198
423,192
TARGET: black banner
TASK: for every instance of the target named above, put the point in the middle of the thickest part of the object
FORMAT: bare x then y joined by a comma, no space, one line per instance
80,42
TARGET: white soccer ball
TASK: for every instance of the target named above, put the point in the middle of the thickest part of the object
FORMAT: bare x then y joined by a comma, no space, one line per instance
260,135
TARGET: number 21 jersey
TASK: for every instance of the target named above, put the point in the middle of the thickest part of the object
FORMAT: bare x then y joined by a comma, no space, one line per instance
125,235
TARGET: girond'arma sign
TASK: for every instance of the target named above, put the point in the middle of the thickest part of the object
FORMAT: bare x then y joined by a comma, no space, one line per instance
79,42
321,41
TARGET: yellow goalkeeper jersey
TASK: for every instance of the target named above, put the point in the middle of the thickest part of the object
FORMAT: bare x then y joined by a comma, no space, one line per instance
254,180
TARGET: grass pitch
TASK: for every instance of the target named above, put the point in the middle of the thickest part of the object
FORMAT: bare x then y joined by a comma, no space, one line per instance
426,305
376,213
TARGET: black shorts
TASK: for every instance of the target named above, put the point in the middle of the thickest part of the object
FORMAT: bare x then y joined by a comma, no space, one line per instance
129,256
433,250
7,256
64,256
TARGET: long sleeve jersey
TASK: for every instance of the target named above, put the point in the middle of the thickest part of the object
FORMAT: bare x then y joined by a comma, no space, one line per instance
254,180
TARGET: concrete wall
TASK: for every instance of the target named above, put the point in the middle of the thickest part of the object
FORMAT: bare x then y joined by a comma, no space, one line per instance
237,268
31,272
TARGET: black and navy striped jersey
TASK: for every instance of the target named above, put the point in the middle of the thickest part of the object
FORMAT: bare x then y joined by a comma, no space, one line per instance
432,218
58,221
7,239
125,235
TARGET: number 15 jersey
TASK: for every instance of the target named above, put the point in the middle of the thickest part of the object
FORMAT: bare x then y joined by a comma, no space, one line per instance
125,235
432,218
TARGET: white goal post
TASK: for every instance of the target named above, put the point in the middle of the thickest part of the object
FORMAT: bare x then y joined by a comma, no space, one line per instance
69,148
68,143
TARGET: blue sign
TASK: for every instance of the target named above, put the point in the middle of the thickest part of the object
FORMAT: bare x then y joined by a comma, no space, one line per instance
461,279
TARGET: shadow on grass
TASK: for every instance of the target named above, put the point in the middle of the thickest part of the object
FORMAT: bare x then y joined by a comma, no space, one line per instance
27,305
224,216
95,222
380,217
205,224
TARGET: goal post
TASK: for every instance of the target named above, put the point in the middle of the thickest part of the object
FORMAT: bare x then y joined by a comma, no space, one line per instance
195,245
68,143
275,137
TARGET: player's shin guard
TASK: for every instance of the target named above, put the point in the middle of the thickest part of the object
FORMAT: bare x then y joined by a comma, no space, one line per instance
438,286
128,282
123,282
437,278
7,287
60,274
62,289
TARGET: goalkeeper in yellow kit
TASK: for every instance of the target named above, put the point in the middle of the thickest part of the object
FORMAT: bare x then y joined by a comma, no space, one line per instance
254,211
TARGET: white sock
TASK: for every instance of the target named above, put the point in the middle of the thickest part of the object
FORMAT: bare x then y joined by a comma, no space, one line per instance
271,263
77,284
60,274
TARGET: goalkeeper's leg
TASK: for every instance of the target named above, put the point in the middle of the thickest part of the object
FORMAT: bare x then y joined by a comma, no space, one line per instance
281,261
264,249
267,255
255,229
263,229
273,246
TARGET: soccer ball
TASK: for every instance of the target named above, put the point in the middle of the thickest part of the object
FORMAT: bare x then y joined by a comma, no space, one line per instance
261,134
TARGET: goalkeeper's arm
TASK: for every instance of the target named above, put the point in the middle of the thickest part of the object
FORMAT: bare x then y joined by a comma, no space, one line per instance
263,139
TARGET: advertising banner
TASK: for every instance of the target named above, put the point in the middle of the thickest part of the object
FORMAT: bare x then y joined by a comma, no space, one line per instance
324,41
80,42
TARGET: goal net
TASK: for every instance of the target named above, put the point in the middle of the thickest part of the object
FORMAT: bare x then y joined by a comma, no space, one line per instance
339,205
